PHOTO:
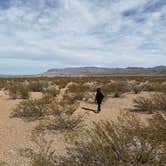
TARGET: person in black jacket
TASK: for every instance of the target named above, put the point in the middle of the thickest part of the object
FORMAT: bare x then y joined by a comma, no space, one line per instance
99,99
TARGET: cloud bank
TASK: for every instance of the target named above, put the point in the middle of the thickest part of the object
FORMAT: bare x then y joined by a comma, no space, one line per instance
43,34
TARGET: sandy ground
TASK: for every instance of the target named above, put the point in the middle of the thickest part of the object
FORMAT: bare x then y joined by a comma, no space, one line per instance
15,134
112,108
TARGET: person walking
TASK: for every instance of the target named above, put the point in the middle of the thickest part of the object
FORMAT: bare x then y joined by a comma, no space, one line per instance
99,98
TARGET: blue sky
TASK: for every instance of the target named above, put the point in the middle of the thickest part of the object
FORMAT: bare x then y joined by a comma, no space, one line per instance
36,35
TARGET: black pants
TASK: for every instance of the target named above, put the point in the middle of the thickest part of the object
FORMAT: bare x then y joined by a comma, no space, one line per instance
99,106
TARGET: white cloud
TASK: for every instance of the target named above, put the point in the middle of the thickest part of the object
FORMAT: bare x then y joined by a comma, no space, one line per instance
60,33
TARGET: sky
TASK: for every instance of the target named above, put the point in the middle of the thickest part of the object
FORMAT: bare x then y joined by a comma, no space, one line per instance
37,35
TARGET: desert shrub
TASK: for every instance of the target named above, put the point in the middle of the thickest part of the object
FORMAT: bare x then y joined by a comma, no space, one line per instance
143,104
106,89
2,84
75,92
32,109
89,97
45,84
137,89
148,86
117,94
93,86
157,130
63,117
73,97
161,87
18,91
36,86
14,91
24,92
78,88
126,143
117,88
52,91
156,102
45,155
42,160
159,101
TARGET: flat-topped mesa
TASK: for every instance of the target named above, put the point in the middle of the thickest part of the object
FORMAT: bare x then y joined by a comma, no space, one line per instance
158,70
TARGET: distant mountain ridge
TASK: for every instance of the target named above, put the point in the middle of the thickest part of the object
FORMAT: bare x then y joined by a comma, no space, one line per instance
88,71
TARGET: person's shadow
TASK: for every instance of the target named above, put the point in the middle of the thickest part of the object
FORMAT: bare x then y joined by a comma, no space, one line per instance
89,109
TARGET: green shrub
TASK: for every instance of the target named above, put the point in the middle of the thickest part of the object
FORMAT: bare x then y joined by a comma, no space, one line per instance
126,143
117,88
36,86
117,94
40,160
72,98
159,101
78,88
24,92
136,89
32,109
18,91
156,102
63,117
45,155
14,91
2,85
161,87
148,87
143,104
52,92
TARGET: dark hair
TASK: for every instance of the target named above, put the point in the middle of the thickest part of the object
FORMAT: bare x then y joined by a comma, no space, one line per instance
98,89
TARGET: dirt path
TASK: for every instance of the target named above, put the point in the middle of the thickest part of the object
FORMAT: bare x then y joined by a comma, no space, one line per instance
112,108
14,134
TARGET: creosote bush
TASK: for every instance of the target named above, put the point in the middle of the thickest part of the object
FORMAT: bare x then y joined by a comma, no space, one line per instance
51,91
32,109
127,143
45,157
161,87
159,101
116,88
148,87
75,88
137,89
18,91
2,84
143,104
156,102
77,91
36,86
62,117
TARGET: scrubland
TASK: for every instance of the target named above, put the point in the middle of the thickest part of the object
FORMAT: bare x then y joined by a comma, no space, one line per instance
51,121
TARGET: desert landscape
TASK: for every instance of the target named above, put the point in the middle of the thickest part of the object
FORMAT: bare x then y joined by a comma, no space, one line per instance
82,83
48,121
